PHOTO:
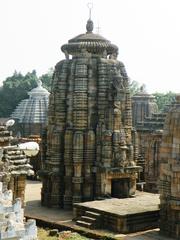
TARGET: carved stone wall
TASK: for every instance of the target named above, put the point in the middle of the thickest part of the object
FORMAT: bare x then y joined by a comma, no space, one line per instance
170,174
151,148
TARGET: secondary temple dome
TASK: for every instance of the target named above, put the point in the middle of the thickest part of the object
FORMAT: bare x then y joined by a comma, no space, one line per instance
31,113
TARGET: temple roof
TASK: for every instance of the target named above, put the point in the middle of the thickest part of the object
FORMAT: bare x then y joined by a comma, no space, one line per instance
18,163
143,94
91,42
34,109
12,159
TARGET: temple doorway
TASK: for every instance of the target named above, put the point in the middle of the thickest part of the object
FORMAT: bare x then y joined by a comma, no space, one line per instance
120,187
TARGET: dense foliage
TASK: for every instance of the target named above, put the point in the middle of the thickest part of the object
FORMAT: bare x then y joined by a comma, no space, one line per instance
16,87
163,99
134,87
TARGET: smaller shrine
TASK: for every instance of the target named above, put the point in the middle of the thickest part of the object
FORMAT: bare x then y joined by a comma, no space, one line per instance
169,184
31,114
148,122
143,106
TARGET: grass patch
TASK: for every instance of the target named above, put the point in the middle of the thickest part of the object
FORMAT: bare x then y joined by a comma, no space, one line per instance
43,234
67,235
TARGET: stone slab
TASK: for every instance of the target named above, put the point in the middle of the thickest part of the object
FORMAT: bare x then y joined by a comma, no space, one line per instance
142,202
63,218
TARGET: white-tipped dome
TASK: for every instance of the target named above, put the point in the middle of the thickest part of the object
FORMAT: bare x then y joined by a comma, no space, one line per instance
39,91
34,109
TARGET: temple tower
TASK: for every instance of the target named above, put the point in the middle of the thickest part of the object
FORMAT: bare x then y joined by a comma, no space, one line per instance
170,174
90,152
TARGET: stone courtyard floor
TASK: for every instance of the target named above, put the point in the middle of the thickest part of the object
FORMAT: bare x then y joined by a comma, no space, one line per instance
62,219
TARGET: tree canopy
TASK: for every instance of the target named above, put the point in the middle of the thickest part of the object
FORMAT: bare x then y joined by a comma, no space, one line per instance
163,99
134,87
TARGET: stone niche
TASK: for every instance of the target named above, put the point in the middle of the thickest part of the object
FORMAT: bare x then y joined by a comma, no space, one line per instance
91,146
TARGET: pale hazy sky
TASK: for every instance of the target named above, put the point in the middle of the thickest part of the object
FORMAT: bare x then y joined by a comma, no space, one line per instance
147,33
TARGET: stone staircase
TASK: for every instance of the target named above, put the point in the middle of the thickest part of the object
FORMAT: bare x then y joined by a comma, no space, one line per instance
91,220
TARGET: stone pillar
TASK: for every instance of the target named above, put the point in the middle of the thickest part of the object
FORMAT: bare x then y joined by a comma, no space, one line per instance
69,96
89,159
102,90
78,147
17,184
55,168
68,164
107,149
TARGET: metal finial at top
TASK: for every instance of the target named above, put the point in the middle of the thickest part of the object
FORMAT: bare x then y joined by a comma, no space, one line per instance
90,6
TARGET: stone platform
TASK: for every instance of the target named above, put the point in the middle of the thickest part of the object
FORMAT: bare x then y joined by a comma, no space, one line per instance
62,219
121,215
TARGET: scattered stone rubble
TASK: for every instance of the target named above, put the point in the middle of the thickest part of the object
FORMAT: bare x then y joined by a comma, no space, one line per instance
12,225
14,167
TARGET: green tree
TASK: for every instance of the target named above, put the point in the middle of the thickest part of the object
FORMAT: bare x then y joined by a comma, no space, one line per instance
164,99
134,87
47,78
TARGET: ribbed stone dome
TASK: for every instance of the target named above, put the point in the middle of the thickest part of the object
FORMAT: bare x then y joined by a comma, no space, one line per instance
91,42
34,109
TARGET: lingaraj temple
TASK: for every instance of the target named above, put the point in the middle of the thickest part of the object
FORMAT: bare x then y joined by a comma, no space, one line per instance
91,145
101,143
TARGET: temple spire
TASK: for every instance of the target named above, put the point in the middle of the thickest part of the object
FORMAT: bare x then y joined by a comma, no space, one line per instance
90,24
